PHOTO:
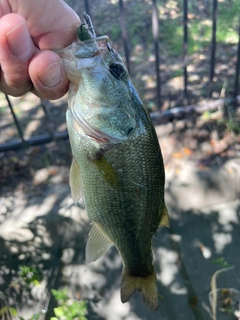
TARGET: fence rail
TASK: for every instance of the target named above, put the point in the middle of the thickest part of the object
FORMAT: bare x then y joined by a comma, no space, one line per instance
50,136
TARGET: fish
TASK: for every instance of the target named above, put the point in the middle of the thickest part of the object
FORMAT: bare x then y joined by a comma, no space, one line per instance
117,164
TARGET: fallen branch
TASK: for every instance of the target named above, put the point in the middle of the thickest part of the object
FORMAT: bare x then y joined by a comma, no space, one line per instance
181,112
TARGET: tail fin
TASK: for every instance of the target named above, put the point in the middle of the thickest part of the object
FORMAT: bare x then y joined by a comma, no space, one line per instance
147,286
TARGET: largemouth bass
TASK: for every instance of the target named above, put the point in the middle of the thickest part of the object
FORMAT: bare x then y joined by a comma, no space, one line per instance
117,162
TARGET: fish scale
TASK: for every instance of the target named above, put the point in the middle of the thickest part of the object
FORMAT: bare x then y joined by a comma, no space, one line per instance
116,159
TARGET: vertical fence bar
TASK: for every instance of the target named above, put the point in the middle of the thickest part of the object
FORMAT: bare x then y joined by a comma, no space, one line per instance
47,116
124,34
19,129
236,84
185,48
155,31
213,48
87,7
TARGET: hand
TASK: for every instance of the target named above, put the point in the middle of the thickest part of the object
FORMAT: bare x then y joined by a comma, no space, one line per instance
29,29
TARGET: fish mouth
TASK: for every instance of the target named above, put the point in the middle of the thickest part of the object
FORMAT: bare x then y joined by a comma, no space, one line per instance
98,137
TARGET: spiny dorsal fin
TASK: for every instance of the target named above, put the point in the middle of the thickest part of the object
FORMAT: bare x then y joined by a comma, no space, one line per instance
97,244
75,181
164,222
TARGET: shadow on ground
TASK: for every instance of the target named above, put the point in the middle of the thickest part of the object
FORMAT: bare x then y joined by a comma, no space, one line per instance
41,228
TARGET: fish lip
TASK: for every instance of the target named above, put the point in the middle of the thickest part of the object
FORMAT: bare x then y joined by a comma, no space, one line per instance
98,138
101,45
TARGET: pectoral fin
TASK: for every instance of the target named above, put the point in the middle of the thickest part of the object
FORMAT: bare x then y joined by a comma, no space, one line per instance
97,244
164,222
109,173
75,181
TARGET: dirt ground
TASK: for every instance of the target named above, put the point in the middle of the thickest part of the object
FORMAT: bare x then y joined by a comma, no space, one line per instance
41,227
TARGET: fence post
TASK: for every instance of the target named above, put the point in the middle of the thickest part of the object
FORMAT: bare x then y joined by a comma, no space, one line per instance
155,31
213,48
19,129
87,7
185,48
236,84
124,34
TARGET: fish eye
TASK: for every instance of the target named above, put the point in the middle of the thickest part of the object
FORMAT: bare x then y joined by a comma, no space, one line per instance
118,70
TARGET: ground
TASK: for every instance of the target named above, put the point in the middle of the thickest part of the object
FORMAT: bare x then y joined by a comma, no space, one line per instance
42,228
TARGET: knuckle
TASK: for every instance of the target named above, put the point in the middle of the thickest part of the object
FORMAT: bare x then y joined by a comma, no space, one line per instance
15,85
16,89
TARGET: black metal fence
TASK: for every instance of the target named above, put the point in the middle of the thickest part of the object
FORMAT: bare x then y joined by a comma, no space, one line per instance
156,19
21,142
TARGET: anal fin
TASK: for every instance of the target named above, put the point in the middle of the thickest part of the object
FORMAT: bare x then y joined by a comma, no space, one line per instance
164,222
97,244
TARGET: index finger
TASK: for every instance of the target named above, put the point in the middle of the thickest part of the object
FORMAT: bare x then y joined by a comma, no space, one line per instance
52,24
16,50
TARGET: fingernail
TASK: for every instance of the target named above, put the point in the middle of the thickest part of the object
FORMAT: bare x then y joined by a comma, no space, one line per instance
19,42
51,76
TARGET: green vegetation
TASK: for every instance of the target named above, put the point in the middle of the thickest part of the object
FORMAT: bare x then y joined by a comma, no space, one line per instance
7,312
68,309
231,122
199,25
30,275
222,262
228,20
171,36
